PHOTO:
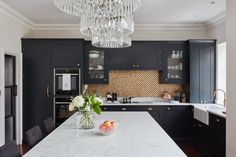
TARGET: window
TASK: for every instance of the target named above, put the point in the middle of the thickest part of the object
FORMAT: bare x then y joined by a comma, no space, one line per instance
221,72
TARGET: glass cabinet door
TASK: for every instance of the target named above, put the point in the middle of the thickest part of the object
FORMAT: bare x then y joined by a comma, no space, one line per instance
96,70
96,64
175,64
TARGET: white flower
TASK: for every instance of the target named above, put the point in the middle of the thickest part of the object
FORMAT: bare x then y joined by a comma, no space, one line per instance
98,100
71,107
87,108
78,101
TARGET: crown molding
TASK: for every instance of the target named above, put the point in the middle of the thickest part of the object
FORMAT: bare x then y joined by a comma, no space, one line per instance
168,26
4,8
216,21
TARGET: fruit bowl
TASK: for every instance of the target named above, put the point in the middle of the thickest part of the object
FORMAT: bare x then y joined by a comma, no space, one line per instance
107,127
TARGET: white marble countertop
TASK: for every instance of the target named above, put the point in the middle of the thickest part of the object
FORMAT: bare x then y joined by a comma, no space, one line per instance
138,135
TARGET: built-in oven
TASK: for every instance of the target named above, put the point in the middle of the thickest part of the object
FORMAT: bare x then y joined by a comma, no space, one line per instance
67,85
67,82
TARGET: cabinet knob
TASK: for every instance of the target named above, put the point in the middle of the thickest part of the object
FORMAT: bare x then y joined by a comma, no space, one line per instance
205,102
133,65
201,102
217,120
78,65
123,109
168,108
166,79
104,108
149,109
137,66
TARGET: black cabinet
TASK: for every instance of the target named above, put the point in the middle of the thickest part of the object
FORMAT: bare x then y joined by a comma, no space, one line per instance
40,57
95,65
201,135
175,61
217,135
202,70
140,56
176,120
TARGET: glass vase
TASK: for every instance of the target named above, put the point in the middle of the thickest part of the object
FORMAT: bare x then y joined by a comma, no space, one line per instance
85,120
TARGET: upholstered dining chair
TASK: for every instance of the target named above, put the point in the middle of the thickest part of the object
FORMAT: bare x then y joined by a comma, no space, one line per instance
49,125
33,136
10,150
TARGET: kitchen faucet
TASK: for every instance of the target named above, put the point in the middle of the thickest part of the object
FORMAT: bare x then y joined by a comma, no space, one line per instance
224,95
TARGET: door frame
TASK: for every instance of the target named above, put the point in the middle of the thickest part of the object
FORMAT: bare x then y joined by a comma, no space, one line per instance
19,82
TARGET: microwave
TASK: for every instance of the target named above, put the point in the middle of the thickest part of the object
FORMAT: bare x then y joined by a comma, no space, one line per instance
67,82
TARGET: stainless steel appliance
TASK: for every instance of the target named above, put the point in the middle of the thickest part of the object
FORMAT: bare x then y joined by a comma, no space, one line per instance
67,85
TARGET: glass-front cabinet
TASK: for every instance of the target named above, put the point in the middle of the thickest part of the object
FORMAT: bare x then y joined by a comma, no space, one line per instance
175,61
96,71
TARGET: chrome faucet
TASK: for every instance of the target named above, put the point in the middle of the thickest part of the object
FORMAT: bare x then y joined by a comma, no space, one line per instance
224,95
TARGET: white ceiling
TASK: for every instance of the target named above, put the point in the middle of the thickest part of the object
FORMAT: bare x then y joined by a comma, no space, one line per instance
151,11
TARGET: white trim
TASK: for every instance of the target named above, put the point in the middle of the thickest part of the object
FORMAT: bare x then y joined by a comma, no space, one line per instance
161,26
2,98
4,8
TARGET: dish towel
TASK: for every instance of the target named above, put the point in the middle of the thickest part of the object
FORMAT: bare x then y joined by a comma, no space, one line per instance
66,82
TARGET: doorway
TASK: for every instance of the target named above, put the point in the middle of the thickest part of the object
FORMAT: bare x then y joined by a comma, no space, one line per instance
10,98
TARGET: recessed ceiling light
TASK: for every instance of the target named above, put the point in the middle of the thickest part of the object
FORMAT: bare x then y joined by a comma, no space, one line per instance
213,2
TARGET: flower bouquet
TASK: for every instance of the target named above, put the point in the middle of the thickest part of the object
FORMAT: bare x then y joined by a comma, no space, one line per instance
87,105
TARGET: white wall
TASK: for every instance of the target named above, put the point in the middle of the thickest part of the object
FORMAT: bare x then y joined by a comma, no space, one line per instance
11,32
231,78
217,32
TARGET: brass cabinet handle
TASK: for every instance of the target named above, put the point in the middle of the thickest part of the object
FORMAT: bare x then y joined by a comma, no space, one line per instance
48,90
149,109
123,109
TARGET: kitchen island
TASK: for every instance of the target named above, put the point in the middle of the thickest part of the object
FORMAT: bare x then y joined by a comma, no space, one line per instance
137,135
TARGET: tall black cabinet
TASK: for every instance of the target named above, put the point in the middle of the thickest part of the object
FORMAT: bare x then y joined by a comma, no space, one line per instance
202,70
40,57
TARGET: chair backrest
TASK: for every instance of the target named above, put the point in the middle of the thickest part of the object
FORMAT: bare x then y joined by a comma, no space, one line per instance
33,136
10,150
49,125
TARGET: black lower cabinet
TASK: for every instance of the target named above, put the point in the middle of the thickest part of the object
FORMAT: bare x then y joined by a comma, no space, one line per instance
217,136
175,120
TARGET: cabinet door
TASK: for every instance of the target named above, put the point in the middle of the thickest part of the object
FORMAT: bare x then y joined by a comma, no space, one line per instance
37,85
148,56
217,136
121,59
202,71
207,73
195,73
175,63
96,68
68,54
177,122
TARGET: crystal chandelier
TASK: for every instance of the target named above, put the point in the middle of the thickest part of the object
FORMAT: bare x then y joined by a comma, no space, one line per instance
110,23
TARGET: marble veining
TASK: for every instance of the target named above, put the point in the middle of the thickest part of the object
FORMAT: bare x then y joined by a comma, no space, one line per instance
137,135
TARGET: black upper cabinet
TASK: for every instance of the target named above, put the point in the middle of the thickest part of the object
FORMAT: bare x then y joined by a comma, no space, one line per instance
68,54
175,63
121,59
95,65
140,56
202,70
147,56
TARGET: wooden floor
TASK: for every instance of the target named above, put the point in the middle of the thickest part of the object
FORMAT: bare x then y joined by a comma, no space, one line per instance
189,149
